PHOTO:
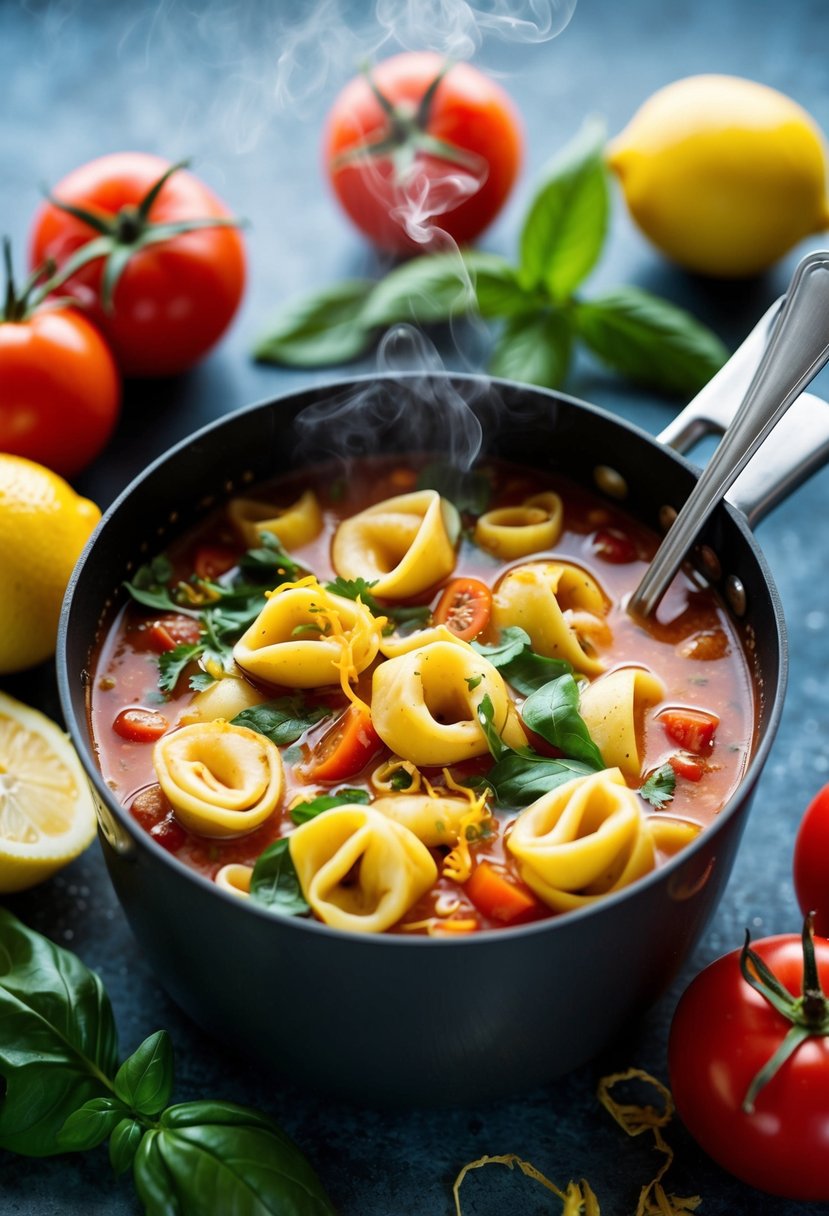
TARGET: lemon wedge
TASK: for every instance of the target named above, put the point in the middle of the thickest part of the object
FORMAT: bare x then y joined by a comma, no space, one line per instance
47,816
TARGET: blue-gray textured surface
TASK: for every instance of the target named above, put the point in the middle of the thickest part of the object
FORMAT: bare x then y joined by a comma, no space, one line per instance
203,79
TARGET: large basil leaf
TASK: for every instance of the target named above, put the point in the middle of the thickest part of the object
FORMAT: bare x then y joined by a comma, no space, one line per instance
323,328
283,720
650,340
145,1079
90,1126
303,811
217,1157
534,347
553,713
519,664
274,881
517,779
58,1043
565,227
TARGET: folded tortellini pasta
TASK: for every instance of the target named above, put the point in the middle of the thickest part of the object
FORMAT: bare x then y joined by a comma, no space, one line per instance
424,704
221,780
583,840
359,869
306,637
613,707
435,820
510,532
224,698
558,604
296,525
403,545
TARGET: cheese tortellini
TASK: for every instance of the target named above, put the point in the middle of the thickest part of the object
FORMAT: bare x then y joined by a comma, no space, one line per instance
425,704
612,708
434,818
293,526
221,780
224,698
305,637
509,532
583,840
402,545
560,606
359,869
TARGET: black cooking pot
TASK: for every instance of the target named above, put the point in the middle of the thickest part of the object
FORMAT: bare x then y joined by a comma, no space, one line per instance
421,1020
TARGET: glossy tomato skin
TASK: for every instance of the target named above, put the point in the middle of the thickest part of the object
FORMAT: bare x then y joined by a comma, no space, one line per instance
59,389
174,299
469,110
722,1034
811,861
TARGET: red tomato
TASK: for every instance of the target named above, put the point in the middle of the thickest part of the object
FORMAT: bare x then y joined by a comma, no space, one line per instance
464,607
174,298
212,560
811,861
611,545
170,631
463,152
500,896
59,386
692,729
140,725
345,748
723,1033
687,766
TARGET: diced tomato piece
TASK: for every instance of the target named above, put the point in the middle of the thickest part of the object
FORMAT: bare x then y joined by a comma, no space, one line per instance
345,748
464,607
692,729
498,895
212,560
613,545
687,766
169,834
140,725
170,631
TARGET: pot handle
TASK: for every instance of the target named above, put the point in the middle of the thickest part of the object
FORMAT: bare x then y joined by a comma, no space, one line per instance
797,447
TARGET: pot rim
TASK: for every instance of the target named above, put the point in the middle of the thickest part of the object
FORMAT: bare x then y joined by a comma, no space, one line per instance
736,803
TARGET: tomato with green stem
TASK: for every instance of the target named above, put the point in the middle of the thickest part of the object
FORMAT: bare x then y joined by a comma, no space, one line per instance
749,1063
152,254
418,146
59,385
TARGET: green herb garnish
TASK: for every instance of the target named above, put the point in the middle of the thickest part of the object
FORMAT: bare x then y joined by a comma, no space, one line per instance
519,664
283,720
274,881
659,787
303,811
65,1092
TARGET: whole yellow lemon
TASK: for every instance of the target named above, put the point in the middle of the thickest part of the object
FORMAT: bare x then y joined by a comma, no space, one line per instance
724,175
44,526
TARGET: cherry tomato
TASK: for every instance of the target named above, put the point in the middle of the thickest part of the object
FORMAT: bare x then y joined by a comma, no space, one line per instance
692,729
811,861
723,1034
140,725
614,546
500,896
170,631
174,298
59,386
212,560
420,146
464,607
152,810
345,748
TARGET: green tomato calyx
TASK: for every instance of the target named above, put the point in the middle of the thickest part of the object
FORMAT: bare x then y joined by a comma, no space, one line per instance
808,1014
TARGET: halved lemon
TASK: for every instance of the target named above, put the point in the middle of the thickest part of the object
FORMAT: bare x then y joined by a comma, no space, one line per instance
47,816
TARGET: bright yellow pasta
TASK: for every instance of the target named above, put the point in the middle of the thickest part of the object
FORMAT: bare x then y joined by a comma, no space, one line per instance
293,526
613,707
225,698
560,606
425,704
404,544
510,532
221,780
583,840
360,870
305,637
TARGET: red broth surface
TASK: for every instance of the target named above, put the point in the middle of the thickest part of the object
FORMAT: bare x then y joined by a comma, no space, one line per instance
692,646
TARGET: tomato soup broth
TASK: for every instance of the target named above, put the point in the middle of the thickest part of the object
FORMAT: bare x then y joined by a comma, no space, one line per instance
693,740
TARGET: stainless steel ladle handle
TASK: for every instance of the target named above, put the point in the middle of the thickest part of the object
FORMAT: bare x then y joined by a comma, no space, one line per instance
798,348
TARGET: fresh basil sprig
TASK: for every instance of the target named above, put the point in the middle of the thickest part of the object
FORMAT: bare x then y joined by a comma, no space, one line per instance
541,317
63,1091
283,720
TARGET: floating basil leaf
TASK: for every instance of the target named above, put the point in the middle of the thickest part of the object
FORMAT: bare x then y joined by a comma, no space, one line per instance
519,664
303,811
58,1042
518,779
145,1079
216,1157
269,563
553,712
274,881
283,720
